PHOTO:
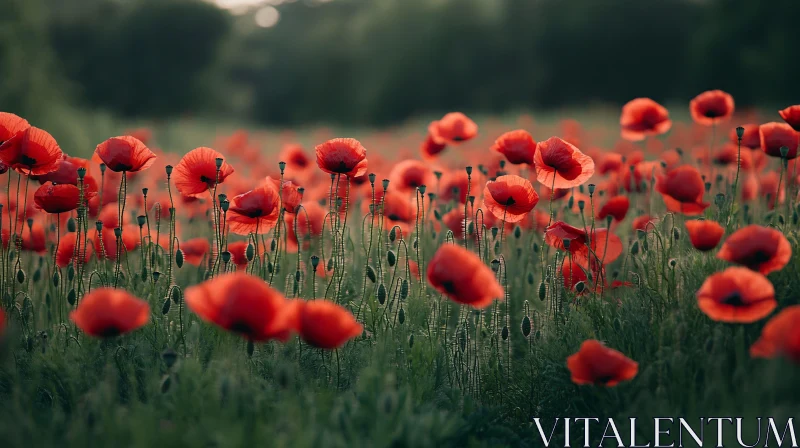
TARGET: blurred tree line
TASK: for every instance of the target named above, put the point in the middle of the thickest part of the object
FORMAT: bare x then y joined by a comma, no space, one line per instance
379,61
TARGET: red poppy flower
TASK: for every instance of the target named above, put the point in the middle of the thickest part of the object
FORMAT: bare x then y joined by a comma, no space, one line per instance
791,115
408,175
109,312
597,364
518,146
729,155
759,248
255,211
460,275
510,197
10,125
61,198
616,206
711,107
605,246
66,250
642,117
67,172
296,159
125,153
558,232
736,295
643,222
610,162
238,253
573,273
455,185
774,135
289,194
32,239
306,223
398,210
194,250
780,336
452,129
31,151
327,325
682,190
130,241
704,235
196,173
342,156
430,149
242,304
561,165
750,137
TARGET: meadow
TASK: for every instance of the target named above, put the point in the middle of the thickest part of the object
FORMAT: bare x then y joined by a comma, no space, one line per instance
440,283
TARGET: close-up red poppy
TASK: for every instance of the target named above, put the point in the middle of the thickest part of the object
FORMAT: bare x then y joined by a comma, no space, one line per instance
342,156
60,198
326,325
289,193
452,129
517,146
791,115
761,249
643,117
776,135
430,148
711,107
558,232
682,190
32,151
460,275
780,336
255,211
10,125
242,304
616,207
561,165
125,153
197,173
66,250
736,295
194,250
109,312
510,198
408,175
704,234
597,364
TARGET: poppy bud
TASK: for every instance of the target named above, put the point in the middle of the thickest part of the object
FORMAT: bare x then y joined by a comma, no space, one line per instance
226,256
437,215
517,232
371,274
37,274
169,357
411,341
250,346
21,276
404,289
581,204
102,168
71,226
530,278
70,272
635,247
392,234
401,316
495,230
536,247
71,297
156,276
314,262
56,279
542,291
176,295
470,228
381,294
504,333
438,174
297,276
117,232
222,197
165,307
526,326
580,188
273,246
250,252
371,178
391,258
676,233
672,262
719,200
708,186
385,183
416,243
469,170
218,161
495,265
502,164
571,202
282,165
580,286
141,220
330,264
179,258
145,191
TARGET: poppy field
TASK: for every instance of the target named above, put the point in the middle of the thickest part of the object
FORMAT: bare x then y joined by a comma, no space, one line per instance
438,284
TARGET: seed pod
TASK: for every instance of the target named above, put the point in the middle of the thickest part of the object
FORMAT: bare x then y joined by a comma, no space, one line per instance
542,291
504,333
676,233
404,289
273,246
495,264
517,232
144,274
330,264
635,248
176,295
250,252
381,294
371,274
37,275
401,315
71,297
536,247
297,276
526,326
411,340
530,278
56,279
580,287
392,234
165,307
71,226
179,258
21,276
391,258
437,215
70,272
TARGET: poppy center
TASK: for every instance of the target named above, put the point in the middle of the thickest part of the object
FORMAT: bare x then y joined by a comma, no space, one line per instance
458,138
733,299
241,327
756,258
27,160
110,332
342,167
449,286
254,213
206,180
394,217
510,201
605,379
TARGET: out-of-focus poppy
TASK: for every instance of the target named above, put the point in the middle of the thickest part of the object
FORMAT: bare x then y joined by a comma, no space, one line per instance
616,206
295,157
642,117
452,129
759,248
67,172
194,250
780,336
791,115
399,211
461,275
32,151
289,192
510,197
196,174
561,165
10,125
731,155
342,156
66,250
750,137
324,324
558,232
455,186
241,304
711,107
517,146
610,162
109,312
430,149
682,190
255,211
130,241
408,175
643,222
60,198
775,135
771,188
125,153
597,364
238,251
736,295
599,245
704,234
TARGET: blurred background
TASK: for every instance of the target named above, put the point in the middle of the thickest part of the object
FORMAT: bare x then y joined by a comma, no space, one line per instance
378,62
